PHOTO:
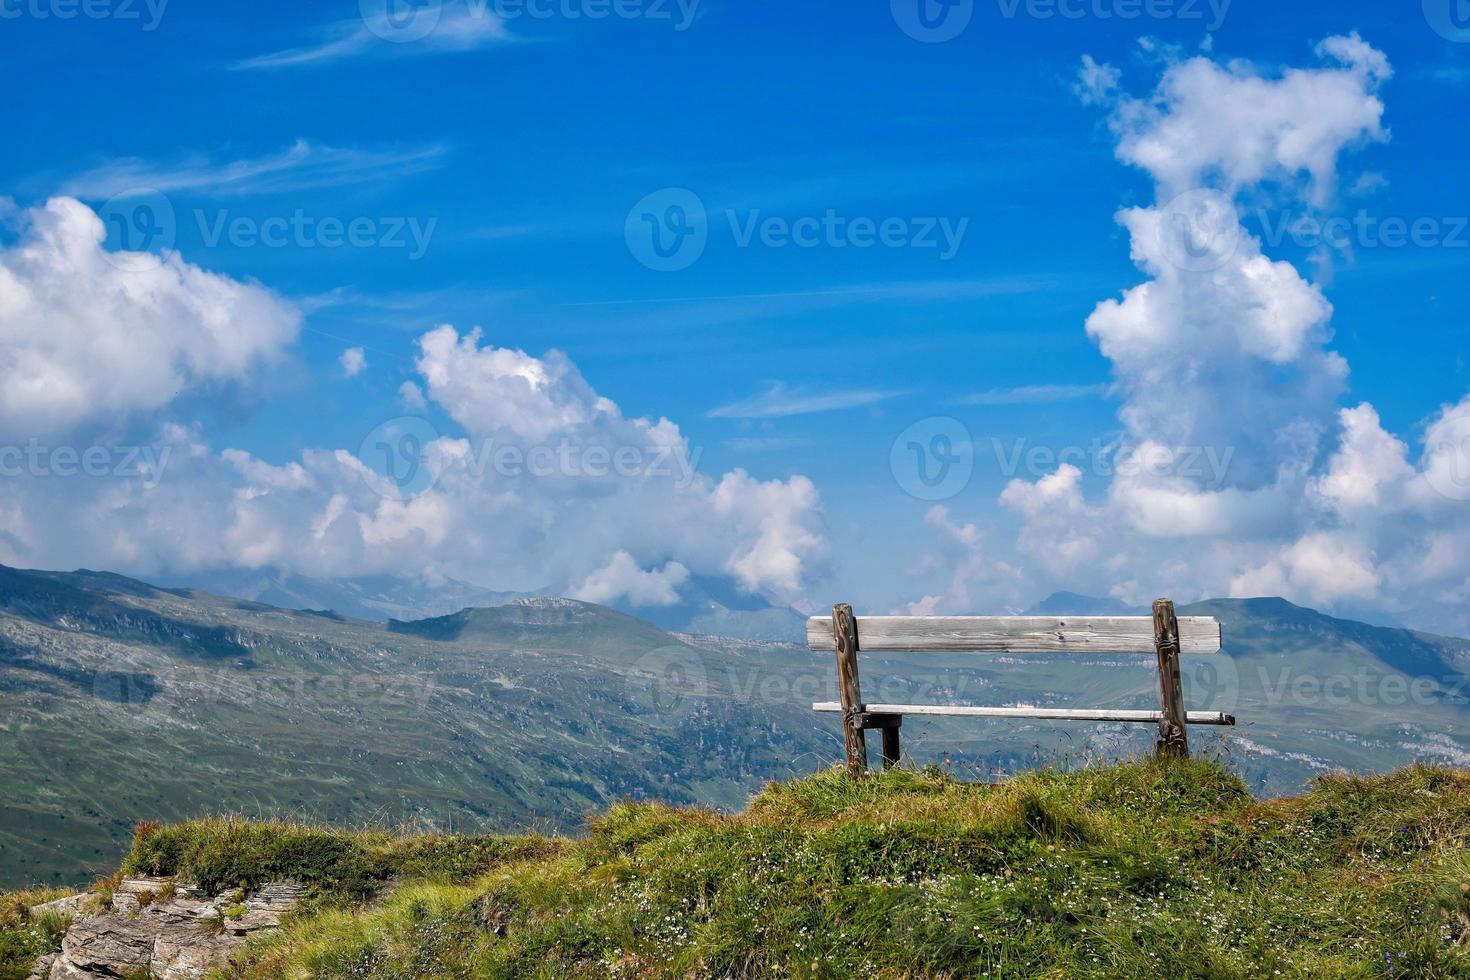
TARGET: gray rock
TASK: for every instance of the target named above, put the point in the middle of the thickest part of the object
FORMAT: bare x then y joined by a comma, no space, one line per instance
106,945
42,969
181,937
186,951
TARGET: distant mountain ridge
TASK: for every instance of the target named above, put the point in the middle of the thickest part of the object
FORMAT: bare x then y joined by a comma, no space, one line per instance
706,605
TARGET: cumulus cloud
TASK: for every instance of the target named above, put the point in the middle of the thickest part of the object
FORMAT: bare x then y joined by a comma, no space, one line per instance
622,578
527,478
1239,471
89,335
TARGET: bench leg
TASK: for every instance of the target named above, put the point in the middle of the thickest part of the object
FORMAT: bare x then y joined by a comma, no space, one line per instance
1173,736
890,747
890,725
844,630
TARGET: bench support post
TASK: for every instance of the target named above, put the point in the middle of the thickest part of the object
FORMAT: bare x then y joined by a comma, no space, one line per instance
1173,736
844,630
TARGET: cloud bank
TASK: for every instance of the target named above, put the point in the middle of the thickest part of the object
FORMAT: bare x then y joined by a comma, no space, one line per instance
517,473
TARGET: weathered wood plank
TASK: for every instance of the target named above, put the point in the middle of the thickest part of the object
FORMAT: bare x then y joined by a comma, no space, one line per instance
1057,714
1173,734
1017,634
844,628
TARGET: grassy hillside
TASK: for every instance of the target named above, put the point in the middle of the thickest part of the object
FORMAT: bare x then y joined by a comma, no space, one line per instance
1142,870
120,702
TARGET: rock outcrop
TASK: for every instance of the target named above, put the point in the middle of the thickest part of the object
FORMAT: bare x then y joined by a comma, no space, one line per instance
162,929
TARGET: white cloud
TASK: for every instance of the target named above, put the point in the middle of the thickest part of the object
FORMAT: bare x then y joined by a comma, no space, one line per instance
302,166
353,361
434,28
1034,394
1239,472
622,578
545,484
778,401
88,335
1096,82
1227,122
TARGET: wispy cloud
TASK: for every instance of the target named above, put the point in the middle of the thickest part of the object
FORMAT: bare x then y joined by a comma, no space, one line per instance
778,401
436,28
303,166
1034,394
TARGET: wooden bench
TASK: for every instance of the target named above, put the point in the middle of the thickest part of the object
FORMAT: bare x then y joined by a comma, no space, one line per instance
1164,635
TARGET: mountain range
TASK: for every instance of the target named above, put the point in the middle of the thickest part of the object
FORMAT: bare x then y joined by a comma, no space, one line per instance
121,701
706,604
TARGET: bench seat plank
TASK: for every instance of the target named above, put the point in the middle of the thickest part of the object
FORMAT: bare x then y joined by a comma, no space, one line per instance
1016,634
1060,714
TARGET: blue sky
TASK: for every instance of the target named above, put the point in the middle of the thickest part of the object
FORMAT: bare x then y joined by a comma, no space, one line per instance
516,147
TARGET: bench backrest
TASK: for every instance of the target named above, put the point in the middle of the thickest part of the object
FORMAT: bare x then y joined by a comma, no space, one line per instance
1016,634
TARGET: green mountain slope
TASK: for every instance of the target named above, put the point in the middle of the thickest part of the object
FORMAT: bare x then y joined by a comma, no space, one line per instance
120,702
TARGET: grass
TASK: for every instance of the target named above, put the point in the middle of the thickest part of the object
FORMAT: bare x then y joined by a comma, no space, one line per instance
1148,869
24,937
